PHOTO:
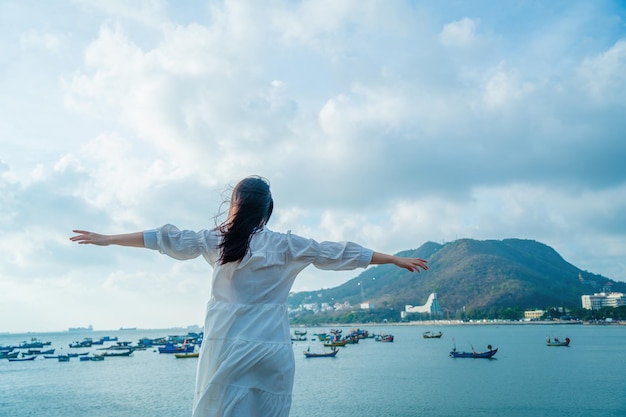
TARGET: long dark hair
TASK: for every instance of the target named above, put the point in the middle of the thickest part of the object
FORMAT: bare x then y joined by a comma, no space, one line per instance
254,205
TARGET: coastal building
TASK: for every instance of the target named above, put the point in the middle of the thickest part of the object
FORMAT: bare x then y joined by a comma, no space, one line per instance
603,299
367,305
431,307
534,314
342,306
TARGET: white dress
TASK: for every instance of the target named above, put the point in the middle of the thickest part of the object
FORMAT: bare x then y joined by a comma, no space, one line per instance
246,364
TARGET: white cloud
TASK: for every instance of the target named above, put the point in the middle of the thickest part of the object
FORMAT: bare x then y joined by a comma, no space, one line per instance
460,33
504,87
604,75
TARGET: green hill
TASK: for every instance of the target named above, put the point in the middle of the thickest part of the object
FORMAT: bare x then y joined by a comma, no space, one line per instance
471,275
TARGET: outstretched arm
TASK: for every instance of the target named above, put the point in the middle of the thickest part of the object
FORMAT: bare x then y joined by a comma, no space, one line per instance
412,264
84,237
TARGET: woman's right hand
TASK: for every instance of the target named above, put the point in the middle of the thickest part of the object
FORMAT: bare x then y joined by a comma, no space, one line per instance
412,264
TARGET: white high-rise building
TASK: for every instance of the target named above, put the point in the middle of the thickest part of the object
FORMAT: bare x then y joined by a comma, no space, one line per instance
431,307
602,299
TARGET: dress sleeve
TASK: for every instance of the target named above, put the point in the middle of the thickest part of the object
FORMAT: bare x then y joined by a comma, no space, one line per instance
182,244
335,256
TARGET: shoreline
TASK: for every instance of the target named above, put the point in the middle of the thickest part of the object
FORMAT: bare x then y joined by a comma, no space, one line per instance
426,323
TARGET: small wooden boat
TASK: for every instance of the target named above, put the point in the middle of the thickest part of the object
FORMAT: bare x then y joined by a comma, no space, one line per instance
39,352
63,358
486,355
117,353
338,343
431,335
310,354
86,342
75,355
557,342
120,346
28,358
186,355
384,338
352,340
9,355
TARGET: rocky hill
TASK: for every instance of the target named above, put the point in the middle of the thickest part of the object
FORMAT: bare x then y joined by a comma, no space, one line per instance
472,274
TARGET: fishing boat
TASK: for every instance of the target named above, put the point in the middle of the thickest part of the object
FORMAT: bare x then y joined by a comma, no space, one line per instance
332,354
359,333
557,342
34,343
86,342
473,354
299,336
76,355
186,355
63,358
117,353
338,343
352,339
28,358
9,355
384,338
176,348
431,335
119,346
108,339
40,352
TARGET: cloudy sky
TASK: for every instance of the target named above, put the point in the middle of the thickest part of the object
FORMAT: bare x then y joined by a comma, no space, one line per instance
388,123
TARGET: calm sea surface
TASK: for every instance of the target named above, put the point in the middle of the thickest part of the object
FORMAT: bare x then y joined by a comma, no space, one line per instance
410,377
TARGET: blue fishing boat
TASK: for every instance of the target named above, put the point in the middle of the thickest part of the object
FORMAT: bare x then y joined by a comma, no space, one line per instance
34,343
176,348
9,355
27,358
473,354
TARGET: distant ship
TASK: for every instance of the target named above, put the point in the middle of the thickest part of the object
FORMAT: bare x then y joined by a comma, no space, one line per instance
81,329
128,328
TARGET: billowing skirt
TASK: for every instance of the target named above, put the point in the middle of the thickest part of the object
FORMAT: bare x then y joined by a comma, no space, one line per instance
246,364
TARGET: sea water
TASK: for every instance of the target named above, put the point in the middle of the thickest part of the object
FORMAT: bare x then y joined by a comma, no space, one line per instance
412,376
